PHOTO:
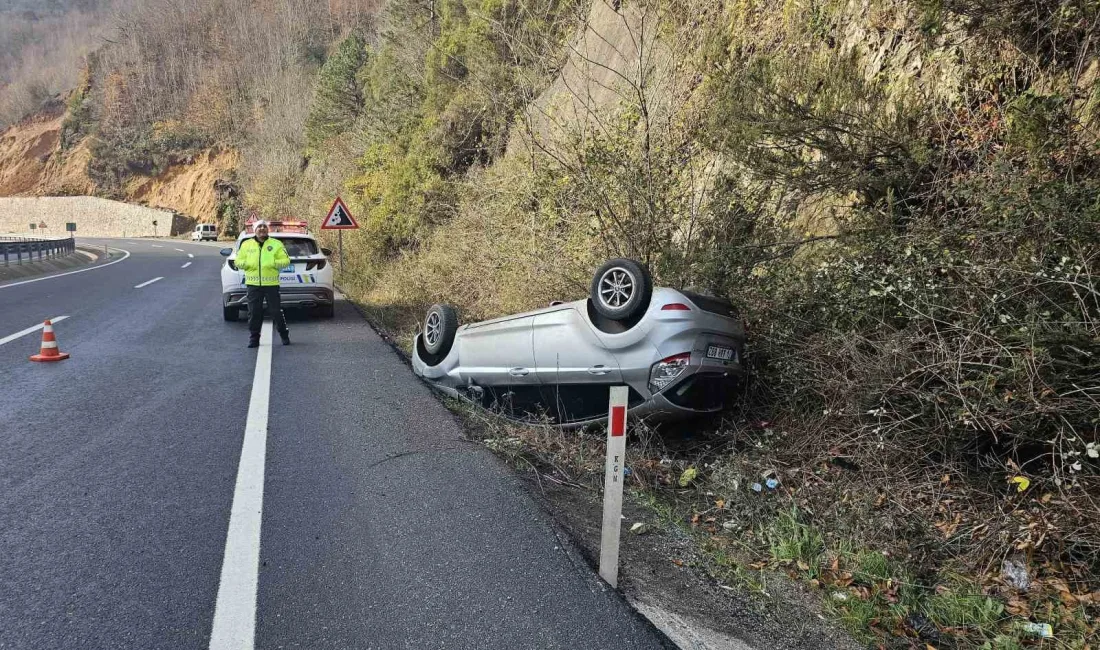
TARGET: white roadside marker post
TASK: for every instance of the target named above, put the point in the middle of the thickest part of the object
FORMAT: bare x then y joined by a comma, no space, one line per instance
613,486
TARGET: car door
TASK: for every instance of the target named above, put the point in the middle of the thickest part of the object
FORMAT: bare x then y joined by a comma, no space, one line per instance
498,353
574,367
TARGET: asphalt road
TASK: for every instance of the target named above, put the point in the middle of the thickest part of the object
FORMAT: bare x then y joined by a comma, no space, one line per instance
380,526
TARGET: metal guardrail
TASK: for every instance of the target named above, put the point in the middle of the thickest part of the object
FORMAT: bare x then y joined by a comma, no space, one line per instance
25,250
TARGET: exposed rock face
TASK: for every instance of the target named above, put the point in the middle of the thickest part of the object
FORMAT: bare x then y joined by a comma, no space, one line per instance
32,163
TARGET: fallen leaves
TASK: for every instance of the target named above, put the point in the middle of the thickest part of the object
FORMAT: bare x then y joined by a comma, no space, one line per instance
948,527
1018,607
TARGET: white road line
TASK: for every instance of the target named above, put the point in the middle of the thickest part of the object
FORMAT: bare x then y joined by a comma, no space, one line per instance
156,245
178,249
190,255
12,337
145,284
186,265
50,277
235,608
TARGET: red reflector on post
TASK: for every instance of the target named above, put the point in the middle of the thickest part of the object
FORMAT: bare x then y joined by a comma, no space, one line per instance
618,420
676,306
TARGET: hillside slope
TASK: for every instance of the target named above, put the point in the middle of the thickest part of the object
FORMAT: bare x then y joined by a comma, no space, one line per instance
900,196
32,163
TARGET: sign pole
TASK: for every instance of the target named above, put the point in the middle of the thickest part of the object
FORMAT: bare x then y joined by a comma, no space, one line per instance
340,236
613,485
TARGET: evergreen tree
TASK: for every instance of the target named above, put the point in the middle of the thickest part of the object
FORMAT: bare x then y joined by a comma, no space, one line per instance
338,97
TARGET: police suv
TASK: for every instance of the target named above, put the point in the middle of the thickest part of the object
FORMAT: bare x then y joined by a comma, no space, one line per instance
307,283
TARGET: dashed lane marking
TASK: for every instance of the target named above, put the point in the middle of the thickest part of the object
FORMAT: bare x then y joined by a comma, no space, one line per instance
148,282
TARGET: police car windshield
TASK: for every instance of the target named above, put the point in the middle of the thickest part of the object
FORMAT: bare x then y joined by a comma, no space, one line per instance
298,247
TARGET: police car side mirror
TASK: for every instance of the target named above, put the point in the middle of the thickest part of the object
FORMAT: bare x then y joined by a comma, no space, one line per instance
227,252
327,251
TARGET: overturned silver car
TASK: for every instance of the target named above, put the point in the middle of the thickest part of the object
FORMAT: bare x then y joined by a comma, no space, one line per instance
679,352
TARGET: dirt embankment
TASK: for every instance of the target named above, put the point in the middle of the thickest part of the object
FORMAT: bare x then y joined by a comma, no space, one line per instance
33,164
187,187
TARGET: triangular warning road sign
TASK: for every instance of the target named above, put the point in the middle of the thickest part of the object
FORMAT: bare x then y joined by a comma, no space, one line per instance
339,217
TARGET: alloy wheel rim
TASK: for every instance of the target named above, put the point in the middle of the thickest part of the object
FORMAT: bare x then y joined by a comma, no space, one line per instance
616,287
432,328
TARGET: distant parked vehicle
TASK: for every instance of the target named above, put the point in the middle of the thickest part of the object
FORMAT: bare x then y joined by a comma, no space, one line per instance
307,283
678,352
204,232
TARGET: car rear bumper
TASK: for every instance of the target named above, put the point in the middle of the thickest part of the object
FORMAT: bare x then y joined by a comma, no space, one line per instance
295,297
699,393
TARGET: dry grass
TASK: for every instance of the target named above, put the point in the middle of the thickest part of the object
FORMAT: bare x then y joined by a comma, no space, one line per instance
892,567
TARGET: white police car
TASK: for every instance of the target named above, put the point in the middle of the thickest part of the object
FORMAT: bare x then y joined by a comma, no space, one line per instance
306,283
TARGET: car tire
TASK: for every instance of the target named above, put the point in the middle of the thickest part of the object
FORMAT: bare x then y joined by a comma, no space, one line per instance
231,314
621,289
327,311
440,327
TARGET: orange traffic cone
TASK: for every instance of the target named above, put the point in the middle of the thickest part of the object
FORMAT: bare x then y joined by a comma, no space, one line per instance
49,351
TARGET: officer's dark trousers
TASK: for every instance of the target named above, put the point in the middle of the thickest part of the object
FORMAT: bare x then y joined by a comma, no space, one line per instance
256,297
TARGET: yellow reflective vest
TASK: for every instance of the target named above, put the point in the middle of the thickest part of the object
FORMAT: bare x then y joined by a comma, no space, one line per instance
261,263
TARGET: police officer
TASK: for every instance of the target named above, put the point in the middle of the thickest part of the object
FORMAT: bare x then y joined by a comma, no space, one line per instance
261,257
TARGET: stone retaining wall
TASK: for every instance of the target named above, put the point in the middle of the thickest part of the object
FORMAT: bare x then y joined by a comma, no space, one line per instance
94,217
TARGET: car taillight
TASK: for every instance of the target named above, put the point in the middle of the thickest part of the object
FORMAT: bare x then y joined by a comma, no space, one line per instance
676,306
667,370
315,264
232,264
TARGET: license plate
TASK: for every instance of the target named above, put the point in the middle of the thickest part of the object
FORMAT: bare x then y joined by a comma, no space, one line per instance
720,353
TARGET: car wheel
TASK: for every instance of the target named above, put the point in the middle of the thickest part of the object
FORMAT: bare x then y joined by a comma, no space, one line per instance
327,311
621,289
440,326
231,314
